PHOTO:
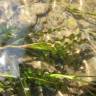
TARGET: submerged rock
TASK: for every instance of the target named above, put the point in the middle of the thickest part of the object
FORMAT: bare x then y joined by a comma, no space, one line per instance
90,68
40,8
13,11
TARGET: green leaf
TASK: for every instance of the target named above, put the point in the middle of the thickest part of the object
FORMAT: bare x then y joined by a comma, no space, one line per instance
41,46
61,76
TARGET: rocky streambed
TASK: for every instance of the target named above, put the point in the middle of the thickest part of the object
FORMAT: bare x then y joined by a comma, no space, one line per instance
69,30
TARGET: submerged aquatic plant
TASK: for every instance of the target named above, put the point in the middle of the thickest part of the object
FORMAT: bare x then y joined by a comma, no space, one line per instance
55,59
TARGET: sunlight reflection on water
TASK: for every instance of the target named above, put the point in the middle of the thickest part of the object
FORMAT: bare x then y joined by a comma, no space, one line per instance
9,64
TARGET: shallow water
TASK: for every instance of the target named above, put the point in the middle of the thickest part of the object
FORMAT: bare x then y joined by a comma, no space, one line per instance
43,37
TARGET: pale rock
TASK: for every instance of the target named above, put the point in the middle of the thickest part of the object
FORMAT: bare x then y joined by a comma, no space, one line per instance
40,8
26,18
90,68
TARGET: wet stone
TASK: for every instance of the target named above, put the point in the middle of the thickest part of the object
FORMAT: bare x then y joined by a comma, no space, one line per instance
15,14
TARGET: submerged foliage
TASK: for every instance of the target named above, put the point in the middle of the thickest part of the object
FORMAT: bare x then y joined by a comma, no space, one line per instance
55,53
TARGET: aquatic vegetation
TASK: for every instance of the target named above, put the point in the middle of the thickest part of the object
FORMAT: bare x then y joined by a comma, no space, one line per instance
47,48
